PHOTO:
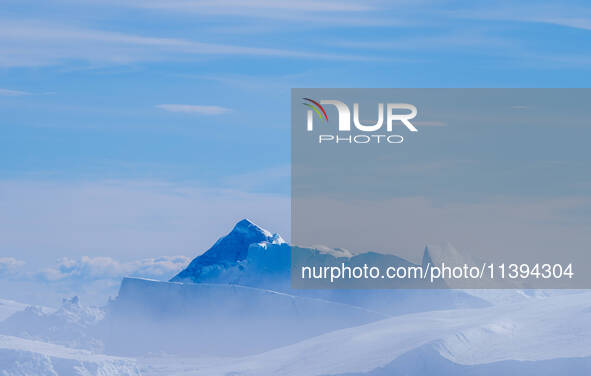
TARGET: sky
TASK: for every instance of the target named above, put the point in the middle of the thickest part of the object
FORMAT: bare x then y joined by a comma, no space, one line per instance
143,130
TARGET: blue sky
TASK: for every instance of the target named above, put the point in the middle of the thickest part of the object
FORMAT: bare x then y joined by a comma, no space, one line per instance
160,123
92,73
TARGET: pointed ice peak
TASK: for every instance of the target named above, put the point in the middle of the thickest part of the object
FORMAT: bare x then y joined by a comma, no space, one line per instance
436,254
228,250
426,257
244,223
247,226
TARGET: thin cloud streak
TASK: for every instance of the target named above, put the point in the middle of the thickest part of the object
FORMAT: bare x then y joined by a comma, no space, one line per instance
12,93
576,18
39,44
227,6
194,109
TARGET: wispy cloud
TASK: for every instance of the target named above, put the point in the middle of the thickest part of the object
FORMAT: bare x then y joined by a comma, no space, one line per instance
9,266
96,268
38,44
12,93
575,22
194,109
320,12
542,12
475,39
230,6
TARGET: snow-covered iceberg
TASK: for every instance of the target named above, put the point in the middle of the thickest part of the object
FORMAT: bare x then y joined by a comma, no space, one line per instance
197,319
252,256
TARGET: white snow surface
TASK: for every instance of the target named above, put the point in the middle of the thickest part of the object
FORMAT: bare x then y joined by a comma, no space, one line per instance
545,325
70,325
21,357
542,329
10,307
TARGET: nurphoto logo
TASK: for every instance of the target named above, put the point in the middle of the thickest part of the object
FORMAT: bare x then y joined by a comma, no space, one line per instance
391,114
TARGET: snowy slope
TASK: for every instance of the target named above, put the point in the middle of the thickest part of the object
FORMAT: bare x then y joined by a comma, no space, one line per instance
556,327
426,360
550,331
21,357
